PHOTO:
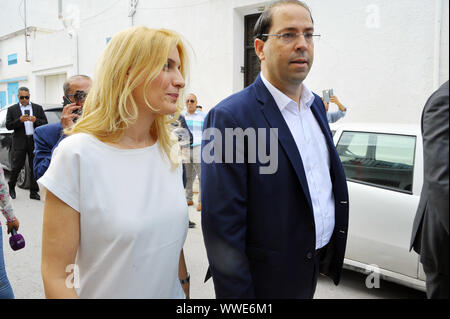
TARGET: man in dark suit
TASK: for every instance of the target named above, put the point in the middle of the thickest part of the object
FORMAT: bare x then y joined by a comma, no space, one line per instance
47,137
271,224
23,118
430,236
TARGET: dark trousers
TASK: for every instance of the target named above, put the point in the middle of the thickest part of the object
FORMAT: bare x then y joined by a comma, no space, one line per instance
184,176
321,264
18,162
436,283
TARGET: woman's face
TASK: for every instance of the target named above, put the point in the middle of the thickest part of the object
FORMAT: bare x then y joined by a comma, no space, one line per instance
163,92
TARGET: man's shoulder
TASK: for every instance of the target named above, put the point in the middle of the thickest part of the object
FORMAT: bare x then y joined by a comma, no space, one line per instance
47,128
12,107
37,105
238,101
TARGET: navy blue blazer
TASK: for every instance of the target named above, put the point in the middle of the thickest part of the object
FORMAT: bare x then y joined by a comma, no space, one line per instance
46,138
259,230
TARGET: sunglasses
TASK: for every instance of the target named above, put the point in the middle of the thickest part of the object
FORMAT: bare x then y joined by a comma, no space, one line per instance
24,97
190,101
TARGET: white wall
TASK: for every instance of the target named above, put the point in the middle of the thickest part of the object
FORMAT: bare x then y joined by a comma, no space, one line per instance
40,13
377,55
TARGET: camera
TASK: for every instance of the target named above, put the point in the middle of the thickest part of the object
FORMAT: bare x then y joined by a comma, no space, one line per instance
327,94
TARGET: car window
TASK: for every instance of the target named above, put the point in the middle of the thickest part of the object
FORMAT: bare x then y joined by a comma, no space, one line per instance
383,160
3,118
53,116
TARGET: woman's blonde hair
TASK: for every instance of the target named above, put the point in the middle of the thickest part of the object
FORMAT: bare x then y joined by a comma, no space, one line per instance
134,56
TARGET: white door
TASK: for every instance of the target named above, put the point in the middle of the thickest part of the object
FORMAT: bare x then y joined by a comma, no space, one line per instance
54,89
379,170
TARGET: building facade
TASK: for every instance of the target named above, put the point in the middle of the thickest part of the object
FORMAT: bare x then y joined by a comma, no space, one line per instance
382,58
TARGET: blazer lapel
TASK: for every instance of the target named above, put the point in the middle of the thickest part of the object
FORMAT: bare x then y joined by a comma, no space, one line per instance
275,119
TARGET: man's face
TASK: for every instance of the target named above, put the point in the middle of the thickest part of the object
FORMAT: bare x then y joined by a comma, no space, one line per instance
191,103
24,97
79,84
287,63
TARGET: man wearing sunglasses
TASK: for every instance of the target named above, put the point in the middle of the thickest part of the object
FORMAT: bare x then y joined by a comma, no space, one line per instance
47,137
23,117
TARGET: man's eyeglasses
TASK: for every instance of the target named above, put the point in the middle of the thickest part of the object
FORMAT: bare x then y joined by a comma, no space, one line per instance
190,101
289,37
79,95
24,97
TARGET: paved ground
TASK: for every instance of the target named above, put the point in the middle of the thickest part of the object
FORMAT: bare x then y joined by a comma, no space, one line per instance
23,266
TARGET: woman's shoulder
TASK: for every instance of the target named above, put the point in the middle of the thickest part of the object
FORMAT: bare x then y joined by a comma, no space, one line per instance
76,143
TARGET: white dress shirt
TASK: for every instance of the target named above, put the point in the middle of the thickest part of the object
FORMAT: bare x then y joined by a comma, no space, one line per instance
313,150
29,126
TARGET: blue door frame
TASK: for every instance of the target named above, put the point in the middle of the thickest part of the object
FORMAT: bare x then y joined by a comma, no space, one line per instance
2,99
12,92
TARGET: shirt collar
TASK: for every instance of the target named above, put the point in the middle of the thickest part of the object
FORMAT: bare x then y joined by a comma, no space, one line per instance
22,106
282,100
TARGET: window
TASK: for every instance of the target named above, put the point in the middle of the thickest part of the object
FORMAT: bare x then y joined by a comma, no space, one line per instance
251,60
384,160
12,59
3,119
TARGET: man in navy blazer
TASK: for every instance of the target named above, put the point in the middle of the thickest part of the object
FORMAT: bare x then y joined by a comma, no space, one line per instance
272,223
47,137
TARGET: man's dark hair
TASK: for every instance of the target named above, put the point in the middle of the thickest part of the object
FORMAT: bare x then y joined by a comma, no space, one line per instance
66,86
23,88
264,22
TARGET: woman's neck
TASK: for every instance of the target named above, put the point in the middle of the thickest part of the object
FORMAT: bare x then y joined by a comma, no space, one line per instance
138,134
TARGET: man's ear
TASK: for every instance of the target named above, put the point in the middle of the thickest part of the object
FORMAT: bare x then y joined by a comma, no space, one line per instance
259,49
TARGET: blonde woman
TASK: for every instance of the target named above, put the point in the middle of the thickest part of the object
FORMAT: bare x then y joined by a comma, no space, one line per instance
115,218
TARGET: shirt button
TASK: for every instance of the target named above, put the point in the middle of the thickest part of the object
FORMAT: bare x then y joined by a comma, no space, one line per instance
309,255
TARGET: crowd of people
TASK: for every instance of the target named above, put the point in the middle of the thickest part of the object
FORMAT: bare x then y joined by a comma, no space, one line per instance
118,176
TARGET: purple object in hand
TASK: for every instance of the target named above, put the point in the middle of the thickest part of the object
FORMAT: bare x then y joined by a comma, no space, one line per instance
16,241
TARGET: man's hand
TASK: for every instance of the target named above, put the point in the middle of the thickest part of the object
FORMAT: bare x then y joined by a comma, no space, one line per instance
24,118
335,100
68,116
32,119
14,223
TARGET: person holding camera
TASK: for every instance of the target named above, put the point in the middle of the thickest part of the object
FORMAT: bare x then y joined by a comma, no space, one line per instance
334,116
47,137
23,117
115,202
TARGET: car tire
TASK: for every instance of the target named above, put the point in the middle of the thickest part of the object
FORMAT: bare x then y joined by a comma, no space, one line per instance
23,180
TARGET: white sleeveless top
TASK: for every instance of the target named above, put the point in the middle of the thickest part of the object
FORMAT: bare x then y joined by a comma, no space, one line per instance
133,217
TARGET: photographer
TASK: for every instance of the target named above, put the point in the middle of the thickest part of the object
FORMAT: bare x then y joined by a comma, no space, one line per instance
334,116
24,118
47,137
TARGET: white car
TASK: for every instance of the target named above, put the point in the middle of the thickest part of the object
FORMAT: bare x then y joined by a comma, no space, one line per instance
383,165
